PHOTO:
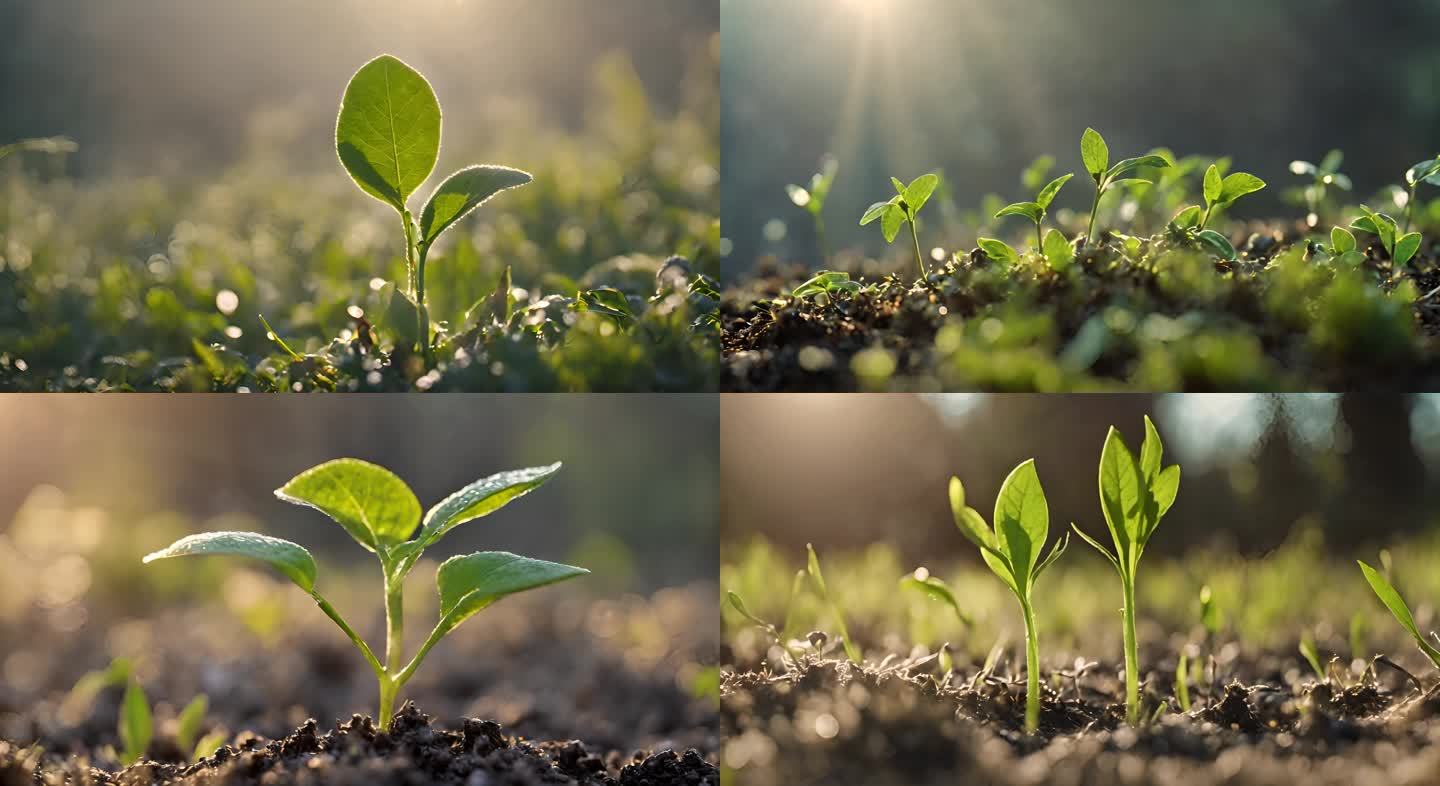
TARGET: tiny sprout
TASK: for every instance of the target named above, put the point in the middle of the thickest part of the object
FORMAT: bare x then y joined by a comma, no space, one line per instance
1211,618
817,580
903,208
827,282
1012,550
1423,172
1182,682
1095,154
933,586
1400,245
1035,211
387,136
137,725
1222,192
1312,655
812,199
770,630
1135,493
1397,607
382,514
1323,176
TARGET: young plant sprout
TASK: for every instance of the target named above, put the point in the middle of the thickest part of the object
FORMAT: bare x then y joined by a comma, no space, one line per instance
902,209
382,514
812,199
1400,245
769,629
1095,154
1343,247
1035,211
1134,495
1182,681
1311,653
1323,176
817,579
1222,192
1423,172
829,283
998,250
1392,600
921,580
388,139
1011,548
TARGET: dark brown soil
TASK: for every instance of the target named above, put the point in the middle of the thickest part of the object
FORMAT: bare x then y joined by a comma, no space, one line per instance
902,722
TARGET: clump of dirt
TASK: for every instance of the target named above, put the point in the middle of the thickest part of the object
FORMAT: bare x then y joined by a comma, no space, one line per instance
819,721
412,751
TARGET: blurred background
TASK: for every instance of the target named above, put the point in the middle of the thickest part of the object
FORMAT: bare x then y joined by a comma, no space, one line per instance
980,88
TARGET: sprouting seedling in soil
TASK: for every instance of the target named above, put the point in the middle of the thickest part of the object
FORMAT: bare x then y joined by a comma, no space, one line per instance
388,138
1135,493
137,725
1343,247
830,283
1223,191
1322,177
1095,155
1423,172
1311,653
1397,607
812,199
902,209
769,629
1182,680
817,580
1211,617
382,514
1012,550
137,719
1035,211
1400,245
934,587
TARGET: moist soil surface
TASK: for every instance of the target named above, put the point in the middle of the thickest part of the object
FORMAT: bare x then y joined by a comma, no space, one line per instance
549,692
1281,316
902,721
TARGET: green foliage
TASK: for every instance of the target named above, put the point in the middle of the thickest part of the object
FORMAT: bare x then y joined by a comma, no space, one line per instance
1222,192
1427,171
817,580
998,250
1401,245
1392,600
381,513
935,587
136,724
1182,680
1012,550
1311,653
1035,211
1135,494
1095,155
902,209
1058,252
827,282
812,198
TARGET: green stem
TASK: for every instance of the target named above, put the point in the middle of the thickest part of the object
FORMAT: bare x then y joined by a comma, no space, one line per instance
1132,676
1039,240
919,259
820,239
420,303
417,282
1409,206
435,636
1094,208
1206,220
349,631
1032,671
394,643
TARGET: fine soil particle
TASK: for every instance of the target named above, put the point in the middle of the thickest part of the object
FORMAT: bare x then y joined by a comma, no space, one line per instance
412,752
900,722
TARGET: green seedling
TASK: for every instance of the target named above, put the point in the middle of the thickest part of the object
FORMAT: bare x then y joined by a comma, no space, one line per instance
1135,493
1423,172
1182,681
137,719
1343,247
382,514
1312,655
388,139
136,723
1095,154
812,199
817,580
998,250
1211,617
769,629
1036,211
934,587
1223,191
902,209
1400,245
1322,177
829,283
1397,607
1012,549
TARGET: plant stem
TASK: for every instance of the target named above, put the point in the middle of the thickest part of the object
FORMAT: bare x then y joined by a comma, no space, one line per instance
1094,208
417,283
1132,677
1032,671
820,240
1206,220
420,303
394,643
1409,206
919,259
1039,240
354,637
388,689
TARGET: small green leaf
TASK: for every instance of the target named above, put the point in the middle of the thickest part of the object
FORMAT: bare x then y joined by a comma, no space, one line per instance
1094,153
899,187
1022,520
1187,218
1055,551
1030,210
136,724
1214,185
967,519
919,191
1352,258
388,131
998,250
470,583
1167,487
1047,194
1341,241
1406,247
875,211
481,498
1239,184
1218,244
1096,545
289,558
1132,164
1058,251
1312,654
370,502
608,301
464,191
1396,604
893,220
208,744
938,590
1152,451
187,727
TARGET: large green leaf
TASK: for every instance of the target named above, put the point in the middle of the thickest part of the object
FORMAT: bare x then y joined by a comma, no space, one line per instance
472,582
1022,520
481,498
370,502
464,191
289,558
388,131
